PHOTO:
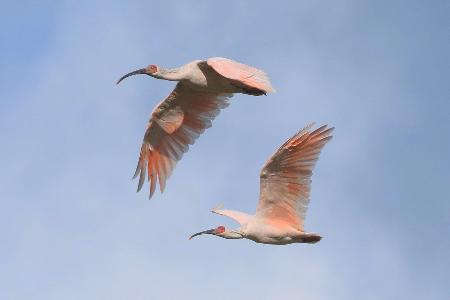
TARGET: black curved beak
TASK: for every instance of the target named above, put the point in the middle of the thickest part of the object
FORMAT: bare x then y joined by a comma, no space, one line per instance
210,231
140,71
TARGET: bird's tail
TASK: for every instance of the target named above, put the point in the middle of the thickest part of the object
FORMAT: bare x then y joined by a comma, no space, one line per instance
311,238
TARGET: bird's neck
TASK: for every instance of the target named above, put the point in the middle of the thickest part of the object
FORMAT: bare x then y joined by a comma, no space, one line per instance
172,74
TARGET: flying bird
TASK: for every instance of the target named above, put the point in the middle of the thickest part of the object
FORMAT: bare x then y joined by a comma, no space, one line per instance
203,89
285,183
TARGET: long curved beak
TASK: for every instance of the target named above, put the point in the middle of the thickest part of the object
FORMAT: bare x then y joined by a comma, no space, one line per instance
140,71
210,231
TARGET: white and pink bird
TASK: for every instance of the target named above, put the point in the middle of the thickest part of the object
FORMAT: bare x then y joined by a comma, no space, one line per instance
203,89
285,184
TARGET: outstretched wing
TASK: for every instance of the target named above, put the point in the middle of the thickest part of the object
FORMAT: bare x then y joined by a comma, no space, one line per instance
245,74
286,178
174,125
240,217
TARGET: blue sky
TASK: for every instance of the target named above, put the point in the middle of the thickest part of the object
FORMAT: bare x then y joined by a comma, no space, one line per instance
72,225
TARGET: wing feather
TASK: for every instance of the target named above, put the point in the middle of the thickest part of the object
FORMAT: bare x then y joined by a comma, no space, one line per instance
240,217
244,74
174,125
285,179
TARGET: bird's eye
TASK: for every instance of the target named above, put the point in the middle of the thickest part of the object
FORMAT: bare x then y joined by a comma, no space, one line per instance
152,69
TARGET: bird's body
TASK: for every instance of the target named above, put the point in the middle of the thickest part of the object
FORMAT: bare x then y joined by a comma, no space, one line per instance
262,232
284,194
203,89
219,75
200,76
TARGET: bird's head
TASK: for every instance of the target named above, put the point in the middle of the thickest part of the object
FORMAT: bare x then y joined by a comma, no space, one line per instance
151,70
222,232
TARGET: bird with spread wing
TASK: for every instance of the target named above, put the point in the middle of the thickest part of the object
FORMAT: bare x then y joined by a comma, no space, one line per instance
285,184
203,89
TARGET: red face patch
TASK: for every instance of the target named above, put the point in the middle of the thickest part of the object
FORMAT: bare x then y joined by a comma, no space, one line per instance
152,69
220,229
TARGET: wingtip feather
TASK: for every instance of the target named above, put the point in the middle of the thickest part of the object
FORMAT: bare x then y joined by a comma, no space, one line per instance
142,177
136,172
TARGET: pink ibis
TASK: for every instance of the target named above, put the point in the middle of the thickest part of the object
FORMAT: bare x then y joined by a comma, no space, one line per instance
203,89
285,183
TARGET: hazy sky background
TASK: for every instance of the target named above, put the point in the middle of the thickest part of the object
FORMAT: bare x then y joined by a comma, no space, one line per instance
72,226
